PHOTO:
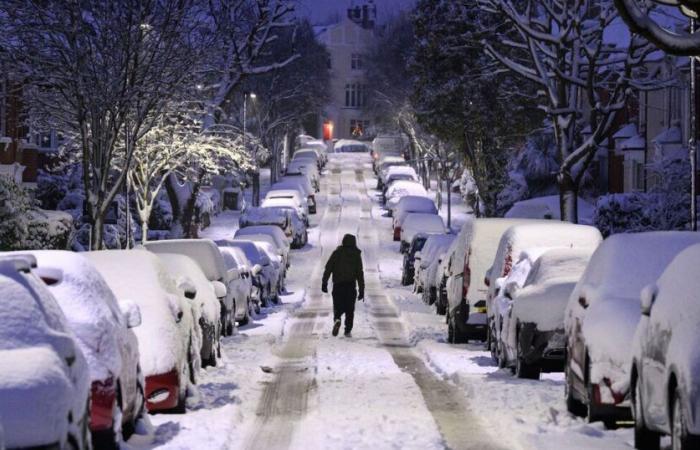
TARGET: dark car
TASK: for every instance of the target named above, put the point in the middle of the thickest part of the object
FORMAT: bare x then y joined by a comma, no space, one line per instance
409,258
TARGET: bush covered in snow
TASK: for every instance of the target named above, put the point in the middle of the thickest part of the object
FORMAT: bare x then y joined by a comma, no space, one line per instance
665,207
15,204
48,230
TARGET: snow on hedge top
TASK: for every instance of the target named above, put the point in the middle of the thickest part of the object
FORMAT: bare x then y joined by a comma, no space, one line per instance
265,216
89,305
184,267
141,276
611,286
547,207
421,223
403,188
271,230
203,251
546,291
483,237
540,235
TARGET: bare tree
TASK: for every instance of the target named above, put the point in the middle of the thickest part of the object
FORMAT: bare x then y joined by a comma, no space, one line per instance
100,72
584,80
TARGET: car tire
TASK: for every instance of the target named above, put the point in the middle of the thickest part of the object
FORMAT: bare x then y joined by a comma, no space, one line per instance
644,438
450,330
458,335
523,369
440,308
594,414
246,317
680,438
575,406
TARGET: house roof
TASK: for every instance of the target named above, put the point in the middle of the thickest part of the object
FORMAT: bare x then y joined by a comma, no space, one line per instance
626,131
636,142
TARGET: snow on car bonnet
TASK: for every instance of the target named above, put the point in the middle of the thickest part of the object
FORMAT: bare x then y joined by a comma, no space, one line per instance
203,251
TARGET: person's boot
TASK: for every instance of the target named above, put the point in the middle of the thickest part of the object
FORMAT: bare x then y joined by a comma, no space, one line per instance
348,334
336,327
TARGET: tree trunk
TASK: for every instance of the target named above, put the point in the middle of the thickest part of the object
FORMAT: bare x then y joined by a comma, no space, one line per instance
568,197
171,188
144,232
189,225
256,188
96,235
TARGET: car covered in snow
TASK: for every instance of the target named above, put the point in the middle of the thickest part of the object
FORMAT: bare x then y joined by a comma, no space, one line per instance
44,377
267,277
527,236
277,261
410,204
318,145
309,154
286,218
168,348
103,326
206,254
420,223
431,259
399,189
276,237
300,200
307,167
350,146
468,290
385,160
245,292
396,173
300,184
409,258
665,375
548,207
532,336
288,202
602,315
207,308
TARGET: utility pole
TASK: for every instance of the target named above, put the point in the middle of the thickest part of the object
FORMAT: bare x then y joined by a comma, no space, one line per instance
692,142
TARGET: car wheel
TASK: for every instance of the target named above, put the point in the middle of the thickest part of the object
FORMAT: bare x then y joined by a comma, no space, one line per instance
440,308
246,318
522,368
458,336
644,438
492,341
450,330
501,355
680,438
573,405
594,412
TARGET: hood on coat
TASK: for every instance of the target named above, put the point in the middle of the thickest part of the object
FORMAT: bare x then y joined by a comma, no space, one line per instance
349,241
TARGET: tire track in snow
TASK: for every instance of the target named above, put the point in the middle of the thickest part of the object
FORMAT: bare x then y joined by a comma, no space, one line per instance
458,424
284,400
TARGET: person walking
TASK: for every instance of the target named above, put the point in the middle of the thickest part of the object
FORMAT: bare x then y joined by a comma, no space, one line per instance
345,264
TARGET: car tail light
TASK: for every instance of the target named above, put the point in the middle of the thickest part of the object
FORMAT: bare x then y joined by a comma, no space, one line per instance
162,391
104,394
616,396
397,233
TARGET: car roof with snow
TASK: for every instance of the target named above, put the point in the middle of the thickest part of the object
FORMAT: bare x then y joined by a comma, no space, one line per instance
299,183
290,202
284,193
541,234
350,146
235,258
399,170
625,263
306,153
270,230
265,216
420,222
203,251
255,254
141,276
405,187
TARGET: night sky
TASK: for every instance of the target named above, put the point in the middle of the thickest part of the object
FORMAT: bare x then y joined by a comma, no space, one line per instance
319,11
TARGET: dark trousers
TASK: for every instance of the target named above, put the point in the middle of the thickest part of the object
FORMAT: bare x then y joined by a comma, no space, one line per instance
344,296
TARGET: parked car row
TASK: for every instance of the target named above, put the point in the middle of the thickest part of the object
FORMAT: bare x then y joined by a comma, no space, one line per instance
91,342
619,316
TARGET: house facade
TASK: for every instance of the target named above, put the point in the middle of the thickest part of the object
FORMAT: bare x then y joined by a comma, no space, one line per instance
348,43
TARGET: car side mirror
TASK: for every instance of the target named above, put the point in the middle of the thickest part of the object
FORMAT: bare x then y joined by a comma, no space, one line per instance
219,289
186,285
256,269
417,255
131,312
487,277
648,298
511,290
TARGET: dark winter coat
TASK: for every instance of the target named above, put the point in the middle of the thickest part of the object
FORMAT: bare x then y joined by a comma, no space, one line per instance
345,264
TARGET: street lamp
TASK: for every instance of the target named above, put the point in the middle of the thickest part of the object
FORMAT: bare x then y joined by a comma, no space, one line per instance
245,138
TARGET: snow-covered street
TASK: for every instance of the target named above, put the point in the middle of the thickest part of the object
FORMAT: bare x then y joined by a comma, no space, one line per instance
285,382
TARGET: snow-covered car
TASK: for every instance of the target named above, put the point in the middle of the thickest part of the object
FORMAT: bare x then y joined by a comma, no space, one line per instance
527,236
308,154
350,146
206,254
409,258
308,168
267,278
102,325
244,271
395,173
384,161
433,247
451,271
168,347
399,189
602,315
665,358
299,199
300,184
279,217
532,336
407,205
207,307
280,270
430,261
468,290
547,207
318,145
290,202
44,377
420,223
276,237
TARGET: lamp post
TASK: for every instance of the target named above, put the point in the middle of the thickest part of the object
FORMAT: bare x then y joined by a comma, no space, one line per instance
692,142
